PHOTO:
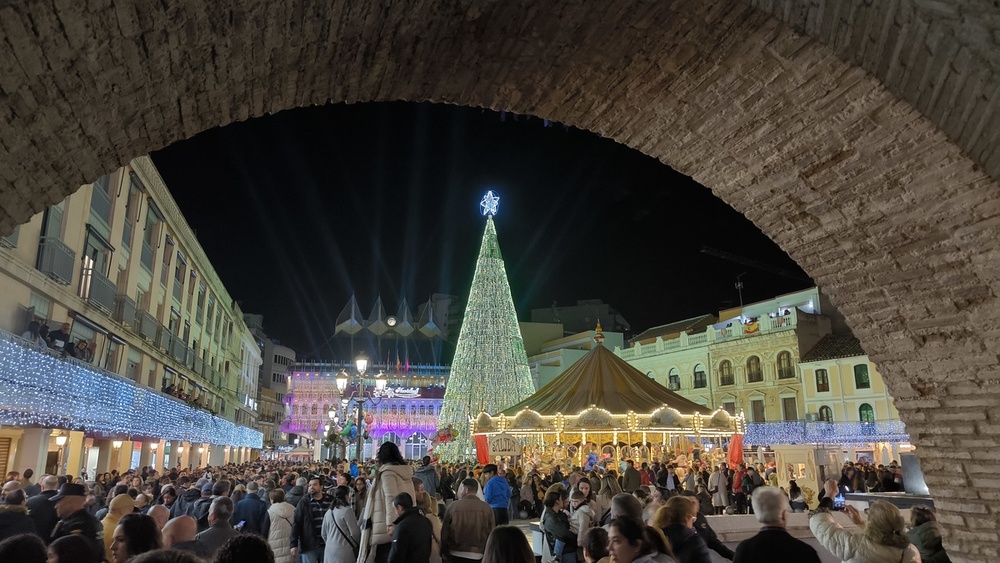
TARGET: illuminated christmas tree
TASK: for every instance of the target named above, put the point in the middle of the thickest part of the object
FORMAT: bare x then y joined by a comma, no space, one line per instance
490,370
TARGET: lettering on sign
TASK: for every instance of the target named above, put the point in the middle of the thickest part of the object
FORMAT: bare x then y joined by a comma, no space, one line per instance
504,445
405,392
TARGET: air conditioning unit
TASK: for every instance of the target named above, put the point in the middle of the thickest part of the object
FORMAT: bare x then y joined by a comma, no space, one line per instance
812,417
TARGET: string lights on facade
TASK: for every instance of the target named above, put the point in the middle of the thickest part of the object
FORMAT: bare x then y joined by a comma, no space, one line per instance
38,389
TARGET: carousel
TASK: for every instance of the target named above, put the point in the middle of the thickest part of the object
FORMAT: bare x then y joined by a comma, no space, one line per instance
602,410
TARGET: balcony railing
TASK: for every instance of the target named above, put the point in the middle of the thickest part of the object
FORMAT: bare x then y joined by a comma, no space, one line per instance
163,337
764,325
98,290
125,310
147,325
56,260
177,349
843,433
786,373
146,259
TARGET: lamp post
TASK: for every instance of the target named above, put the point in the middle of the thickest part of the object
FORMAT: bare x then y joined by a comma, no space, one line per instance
361,393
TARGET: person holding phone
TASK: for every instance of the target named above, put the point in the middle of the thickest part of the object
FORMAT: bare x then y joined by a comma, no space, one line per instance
882,539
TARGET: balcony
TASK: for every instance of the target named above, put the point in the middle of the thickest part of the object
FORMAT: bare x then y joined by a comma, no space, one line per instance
764,325
98,290
163,337
56,260
147,325
833,433
146,259
125,310
177,349
199,365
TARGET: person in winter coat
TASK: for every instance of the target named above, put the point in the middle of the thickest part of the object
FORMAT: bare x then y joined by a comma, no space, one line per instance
277,527
555,525
881,540
251,511
718,488
707,533
428,475
677,519
297,492
428,506
582,519
340,529
412,532
14,519
925,533
629,541
360,496
392,478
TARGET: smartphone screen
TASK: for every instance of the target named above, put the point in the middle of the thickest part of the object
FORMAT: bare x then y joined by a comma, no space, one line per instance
839,502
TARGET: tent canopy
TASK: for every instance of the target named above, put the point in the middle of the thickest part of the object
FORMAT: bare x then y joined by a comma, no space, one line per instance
603,379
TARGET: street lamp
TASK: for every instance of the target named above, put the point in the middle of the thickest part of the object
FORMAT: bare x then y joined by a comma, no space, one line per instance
361,393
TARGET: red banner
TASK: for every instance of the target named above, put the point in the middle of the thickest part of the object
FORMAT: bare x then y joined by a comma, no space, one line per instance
482,449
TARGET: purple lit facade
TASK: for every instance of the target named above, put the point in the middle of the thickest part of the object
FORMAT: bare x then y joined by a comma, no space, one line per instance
407,414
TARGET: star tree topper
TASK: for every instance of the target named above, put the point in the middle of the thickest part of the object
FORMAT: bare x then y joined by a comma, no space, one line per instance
490,203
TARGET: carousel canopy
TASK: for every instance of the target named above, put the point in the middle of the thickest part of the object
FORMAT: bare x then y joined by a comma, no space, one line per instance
604,380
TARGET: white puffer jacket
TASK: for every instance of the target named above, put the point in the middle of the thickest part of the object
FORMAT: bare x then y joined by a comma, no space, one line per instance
854,547
389,482
281,515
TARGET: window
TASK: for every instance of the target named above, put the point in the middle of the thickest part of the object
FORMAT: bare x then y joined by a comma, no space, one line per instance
754,373
730,407
785,369
757,410
700,380
150,236
866,413
674,380
825,414
130,212
861,380
822,381
40,305
726,373
790,408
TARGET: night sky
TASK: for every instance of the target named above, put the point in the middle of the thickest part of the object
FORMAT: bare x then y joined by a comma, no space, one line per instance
301,209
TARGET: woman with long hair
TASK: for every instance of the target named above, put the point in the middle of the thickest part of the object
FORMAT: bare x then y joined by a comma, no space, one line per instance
507,544
882,538
925,533
589,495
393,477
676,519
609,488
428,505
795,497
134,535
340,529
360,495
629,541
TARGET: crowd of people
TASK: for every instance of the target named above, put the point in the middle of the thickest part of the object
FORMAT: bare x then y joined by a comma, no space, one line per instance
394,511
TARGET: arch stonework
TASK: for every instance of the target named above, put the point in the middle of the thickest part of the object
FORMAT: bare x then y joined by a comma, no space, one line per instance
885,211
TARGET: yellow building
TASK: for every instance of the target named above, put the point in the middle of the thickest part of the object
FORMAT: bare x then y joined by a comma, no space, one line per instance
118,264
842,385
745,359
779,363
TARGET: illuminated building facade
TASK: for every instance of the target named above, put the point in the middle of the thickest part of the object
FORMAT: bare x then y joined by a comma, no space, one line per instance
166,370
405,413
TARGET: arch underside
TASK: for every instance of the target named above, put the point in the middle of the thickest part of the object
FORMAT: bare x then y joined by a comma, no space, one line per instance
879,182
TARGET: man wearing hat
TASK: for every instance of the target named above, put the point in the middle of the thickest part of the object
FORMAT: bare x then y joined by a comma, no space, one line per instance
74,518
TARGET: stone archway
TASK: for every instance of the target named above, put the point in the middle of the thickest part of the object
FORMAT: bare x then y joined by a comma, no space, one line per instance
877,204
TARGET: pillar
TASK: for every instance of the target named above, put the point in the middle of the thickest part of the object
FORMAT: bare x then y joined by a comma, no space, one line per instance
104,454
217,455
32,451
74,455
174,456
145,454
318,450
